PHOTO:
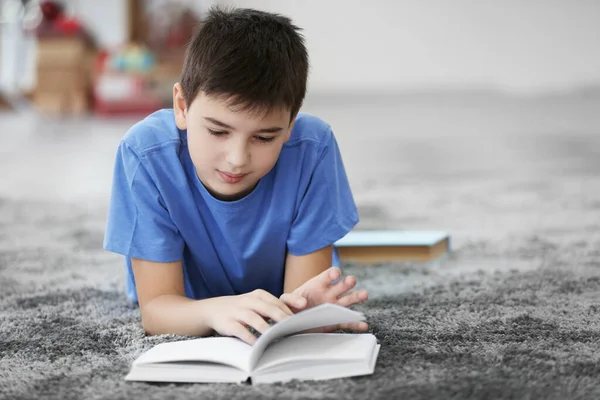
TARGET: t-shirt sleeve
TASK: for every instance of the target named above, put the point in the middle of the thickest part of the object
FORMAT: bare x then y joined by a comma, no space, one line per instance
327,211
138,225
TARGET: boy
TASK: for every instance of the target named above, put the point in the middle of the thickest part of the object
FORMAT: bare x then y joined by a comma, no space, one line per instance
226,207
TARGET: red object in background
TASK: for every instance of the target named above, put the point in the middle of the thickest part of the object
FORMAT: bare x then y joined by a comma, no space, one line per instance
176,38
100,61
51,10
139,107
56,23
68,25
118,93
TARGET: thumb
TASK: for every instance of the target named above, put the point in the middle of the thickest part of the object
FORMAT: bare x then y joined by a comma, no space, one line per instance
293,300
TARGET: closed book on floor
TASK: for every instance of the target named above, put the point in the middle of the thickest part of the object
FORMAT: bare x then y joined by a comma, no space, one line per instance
371,246
281,354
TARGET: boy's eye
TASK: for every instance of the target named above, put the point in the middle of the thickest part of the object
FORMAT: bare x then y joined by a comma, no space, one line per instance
217,133
262,139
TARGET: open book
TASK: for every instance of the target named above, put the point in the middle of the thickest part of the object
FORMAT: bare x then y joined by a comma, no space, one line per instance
280,354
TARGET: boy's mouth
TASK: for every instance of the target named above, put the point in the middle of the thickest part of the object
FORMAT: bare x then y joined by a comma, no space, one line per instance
231,178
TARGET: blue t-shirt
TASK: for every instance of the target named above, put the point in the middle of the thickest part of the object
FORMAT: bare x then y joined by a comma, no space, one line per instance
160,211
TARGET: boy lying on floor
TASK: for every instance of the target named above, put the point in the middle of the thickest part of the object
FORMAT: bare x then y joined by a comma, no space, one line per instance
227,206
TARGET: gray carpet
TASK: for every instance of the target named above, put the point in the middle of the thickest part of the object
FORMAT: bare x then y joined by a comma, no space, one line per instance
503,317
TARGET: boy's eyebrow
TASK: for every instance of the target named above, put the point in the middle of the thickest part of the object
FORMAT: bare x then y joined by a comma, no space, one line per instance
273,129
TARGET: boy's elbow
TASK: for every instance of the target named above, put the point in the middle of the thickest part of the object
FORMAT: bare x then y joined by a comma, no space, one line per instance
150,328
150,324
151,332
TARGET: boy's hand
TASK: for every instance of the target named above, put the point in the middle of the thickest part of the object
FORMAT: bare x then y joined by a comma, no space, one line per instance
233,315
321,289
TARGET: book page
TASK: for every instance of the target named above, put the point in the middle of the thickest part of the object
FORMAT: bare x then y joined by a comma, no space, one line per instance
318,348
224,350
196,371
316,317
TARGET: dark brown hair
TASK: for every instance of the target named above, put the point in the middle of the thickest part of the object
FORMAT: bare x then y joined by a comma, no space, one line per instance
253,59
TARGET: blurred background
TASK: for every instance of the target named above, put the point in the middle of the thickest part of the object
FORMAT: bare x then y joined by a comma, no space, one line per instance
437,105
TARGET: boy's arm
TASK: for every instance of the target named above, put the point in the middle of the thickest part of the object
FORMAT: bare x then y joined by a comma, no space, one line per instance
166,310
300,269
163,305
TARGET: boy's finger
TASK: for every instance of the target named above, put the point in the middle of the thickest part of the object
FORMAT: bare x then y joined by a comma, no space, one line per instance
240,331
329,276
269,298
254,320
293,300
342,286
268,309
351,298
355,326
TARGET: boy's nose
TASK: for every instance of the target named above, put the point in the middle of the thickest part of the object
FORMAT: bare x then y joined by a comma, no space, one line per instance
238,156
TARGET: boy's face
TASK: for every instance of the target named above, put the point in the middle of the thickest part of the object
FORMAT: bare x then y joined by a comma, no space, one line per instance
231,150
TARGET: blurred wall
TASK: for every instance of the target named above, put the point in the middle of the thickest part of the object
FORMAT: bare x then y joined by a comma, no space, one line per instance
386,44
106,19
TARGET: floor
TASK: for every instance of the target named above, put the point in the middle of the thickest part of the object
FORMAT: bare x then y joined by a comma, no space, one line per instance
414,161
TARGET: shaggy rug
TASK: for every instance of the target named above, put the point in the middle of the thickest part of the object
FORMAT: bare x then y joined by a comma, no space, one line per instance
511,313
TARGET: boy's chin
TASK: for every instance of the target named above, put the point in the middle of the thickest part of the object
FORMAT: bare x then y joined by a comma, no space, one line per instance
232,193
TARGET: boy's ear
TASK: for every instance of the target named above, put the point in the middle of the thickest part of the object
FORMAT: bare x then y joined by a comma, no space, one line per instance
179,107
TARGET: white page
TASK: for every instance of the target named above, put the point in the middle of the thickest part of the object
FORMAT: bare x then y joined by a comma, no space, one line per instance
303,372
315,317
197,371
320,348
225,350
